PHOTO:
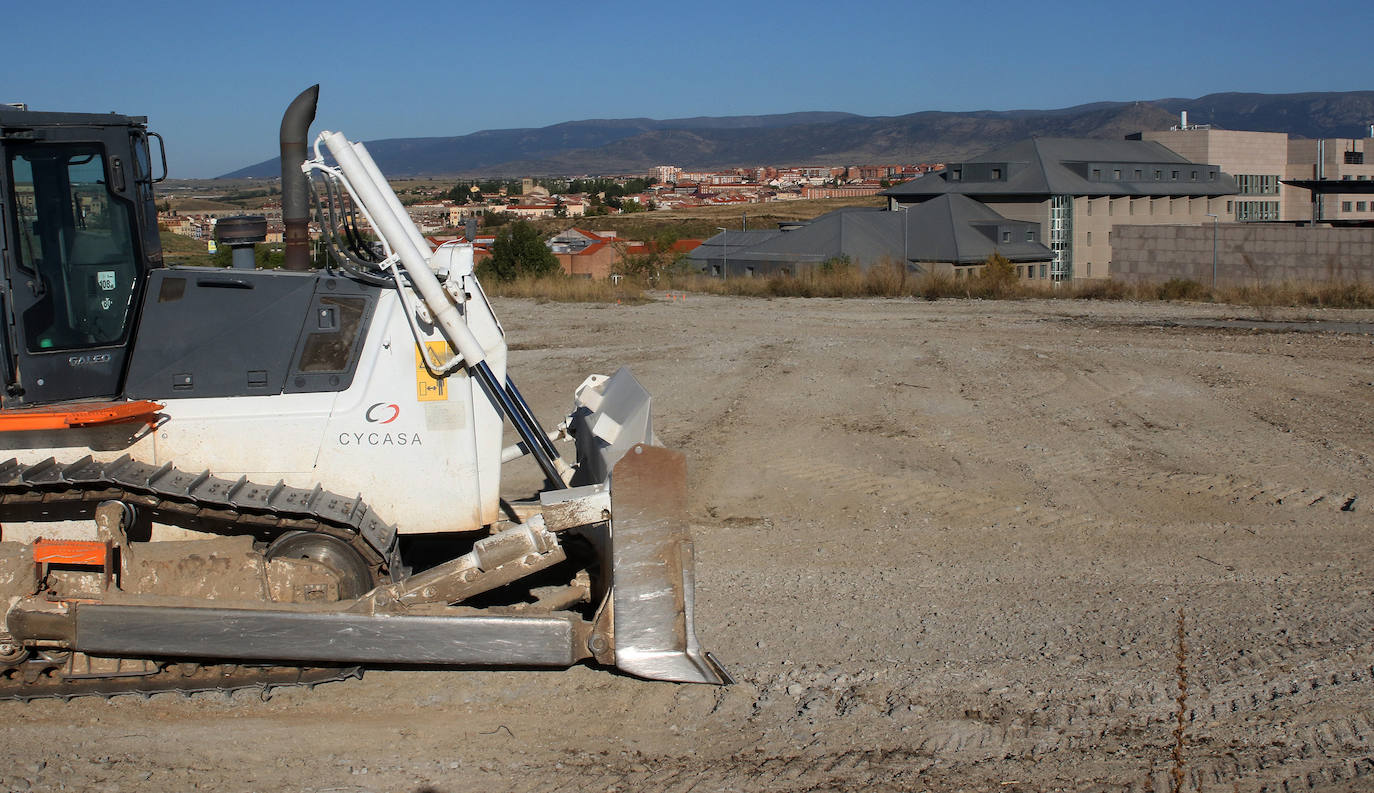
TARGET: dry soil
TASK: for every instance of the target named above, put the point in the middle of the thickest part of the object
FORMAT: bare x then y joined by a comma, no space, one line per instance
941,546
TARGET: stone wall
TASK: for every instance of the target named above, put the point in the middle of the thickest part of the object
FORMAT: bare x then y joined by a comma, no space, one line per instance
1247,253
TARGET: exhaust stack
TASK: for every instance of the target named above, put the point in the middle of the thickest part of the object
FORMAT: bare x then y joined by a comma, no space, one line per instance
295,198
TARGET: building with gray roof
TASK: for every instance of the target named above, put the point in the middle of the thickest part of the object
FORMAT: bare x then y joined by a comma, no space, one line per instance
1077,189
713,255
952,234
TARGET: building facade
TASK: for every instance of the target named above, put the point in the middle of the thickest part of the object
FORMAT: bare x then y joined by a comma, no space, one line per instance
1337,159
1257,160
1079,189
1262,161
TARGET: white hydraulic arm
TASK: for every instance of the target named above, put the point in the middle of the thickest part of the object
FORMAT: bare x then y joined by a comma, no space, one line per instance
403,243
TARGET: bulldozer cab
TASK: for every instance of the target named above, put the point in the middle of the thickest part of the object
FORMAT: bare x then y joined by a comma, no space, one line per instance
79,233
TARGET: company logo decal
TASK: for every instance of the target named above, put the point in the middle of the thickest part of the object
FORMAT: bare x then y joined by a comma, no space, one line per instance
382,413
89,359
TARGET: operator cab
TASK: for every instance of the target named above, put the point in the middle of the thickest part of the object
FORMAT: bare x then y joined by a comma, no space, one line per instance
78,228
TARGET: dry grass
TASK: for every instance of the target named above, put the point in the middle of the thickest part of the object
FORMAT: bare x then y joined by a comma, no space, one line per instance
177,249
883,280
891,281
561,289
1334,295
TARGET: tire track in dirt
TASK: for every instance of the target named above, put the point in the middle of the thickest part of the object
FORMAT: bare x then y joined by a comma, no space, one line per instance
1080,386
1318,756
758,770
965,507
1324,756
1071,464
709,441
1131,718
1237,490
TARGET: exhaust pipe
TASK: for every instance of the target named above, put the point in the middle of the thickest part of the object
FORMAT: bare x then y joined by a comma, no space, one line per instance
295,196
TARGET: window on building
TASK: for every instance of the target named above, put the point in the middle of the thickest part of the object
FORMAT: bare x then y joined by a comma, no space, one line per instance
1354,158
1158,174
1359,206
1255,211
1090,238
1097,174
1194,176
1006,236
1020,272
1257,184
1030,235
1228,207
956,174
1089,204
1211,176
1345,178
1138,174
996,173
1044,270
1174,175
1116,174
1345,206
1088,270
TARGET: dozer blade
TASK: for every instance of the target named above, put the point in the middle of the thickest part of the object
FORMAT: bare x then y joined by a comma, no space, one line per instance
652,570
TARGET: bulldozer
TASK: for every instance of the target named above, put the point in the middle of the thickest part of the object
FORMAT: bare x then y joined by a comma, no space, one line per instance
224,478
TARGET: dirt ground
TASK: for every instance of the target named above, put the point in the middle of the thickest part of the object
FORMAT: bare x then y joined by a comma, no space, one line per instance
941,546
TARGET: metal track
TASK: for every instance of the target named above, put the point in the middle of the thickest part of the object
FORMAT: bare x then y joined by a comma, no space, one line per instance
36,492
37,679
226,506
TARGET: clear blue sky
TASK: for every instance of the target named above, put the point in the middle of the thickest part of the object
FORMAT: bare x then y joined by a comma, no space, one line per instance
213,78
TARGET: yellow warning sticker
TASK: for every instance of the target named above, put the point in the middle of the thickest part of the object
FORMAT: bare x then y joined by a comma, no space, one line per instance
428,388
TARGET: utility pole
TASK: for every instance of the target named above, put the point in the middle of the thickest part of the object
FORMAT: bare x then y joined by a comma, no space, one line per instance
1215,220
725,252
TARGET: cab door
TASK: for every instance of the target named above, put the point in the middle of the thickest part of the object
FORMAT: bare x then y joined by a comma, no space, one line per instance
73,268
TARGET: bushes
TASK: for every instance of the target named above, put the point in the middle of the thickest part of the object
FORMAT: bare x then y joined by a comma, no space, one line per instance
1182,289
1102,289
518,251
998,277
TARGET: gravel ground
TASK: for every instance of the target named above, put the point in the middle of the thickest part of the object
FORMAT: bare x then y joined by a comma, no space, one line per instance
941,546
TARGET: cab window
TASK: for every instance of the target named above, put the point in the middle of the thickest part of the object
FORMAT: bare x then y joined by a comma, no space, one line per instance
75,245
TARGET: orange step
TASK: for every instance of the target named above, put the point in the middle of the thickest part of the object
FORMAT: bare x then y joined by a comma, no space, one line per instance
82,414
83,552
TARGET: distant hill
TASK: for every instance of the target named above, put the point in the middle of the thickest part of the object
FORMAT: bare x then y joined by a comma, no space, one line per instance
601,146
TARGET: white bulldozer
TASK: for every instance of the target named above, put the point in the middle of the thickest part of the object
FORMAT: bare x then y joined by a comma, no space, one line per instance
223,478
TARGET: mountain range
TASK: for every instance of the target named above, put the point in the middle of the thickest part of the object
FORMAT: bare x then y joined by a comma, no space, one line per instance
632,145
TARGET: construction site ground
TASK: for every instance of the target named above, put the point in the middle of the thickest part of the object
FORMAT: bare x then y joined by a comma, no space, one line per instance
940,545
